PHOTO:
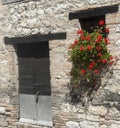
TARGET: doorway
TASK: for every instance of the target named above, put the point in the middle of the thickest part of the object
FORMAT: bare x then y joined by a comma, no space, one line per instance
34,83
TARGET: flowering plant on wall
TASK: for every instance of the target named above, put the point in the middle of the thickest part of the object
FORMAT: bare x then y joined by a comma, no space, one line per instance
89,54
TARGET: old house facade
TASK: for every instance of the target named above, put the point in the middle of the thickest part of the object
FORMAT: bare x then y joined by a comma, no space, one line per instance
34,67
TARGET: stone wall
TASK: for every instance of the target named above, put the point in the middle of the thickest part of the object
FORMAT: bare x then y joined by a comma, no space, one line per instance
8,81
44,16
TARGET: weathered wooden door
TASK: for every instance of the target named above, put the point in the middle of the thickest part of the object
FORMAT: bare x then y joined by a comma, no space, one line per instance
34,83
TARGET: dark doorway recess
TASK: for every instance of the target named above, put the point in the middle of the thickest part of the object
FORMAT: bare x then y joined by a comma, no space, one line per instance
34,73
34,83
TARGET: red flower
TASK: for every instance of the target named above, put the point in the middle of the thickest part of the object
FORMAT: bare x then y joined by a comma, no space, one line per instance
99,37
75,42
89,47
111,57
101,22
88,38
90,66
96,71
98,48
92,63
80,32
99,60
110,63
106,30
98,41
106,41
104,61
82,38
81,48
82,71
99,54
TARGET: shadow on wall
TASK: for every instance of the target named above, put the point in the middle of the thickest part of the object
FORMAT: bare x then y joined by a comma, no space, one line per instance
85,91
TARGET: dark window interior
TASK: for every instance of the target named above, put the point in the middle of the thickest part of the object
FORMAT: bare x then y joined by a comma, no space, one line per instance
34,72
89,24
35,50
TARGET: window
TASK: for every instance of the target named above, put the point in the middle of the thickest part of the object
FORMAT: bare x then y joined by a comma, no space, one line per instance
34,83
87,23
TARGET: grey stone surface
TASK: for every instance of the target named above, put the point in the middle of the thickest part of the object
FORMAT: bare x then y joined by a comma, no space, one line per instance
2,110
87,124
114,112
42,17
103,126
72,124
97,110
115,126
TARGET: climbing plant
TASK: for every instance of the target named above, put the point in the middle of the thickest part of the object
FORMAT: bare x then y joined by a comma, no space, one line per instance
89,55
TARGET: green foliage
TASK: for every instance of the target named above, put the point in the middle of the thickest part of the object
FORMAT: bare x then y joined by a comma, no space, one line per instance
89,54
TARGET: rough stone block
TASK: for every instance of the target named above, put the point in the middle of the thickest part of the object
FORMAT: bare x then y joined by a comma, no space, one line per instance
111,19
115,126
2,110
93,118
72,124
114,112
103,126
88,124
97,110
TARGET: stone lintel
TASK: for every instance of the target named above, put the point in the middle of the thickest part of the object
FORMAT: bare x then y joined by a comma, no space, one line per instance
35,38
91,12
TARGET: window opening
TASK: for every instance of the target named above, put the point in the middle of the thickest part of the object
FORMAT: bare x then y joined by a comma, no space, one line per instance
88,24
